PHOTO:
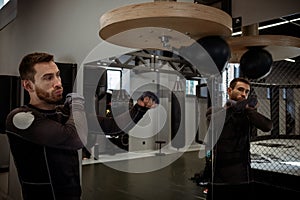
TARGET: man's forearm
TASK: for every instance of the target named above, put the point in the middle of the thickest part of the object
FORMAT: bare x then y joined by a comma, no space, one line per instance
259,121
123,122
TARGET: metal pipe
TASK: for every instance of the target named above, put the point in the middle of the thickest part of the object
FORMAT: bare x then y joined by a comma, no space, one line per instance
267,85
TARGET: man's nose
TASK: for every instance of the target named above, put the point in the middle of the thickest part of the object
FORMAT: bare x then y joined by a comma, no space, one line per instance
244,94
57,82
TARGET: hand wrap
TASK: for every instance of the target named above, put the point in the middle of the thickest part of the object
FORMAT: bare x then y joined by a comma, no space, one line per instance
240,106
74,99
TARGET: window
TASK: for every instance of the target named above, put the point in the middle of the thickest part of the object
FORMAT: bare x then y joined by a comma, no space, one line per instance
114,79
8,12
3,2
191,87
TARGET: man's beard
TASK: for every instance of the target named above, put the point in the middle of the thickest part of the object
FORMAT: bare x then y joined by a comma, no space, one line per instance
49,98
236,98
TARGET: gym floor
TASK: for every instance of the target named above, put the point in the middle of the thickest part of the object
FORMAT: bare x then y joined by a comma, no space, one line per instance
172,182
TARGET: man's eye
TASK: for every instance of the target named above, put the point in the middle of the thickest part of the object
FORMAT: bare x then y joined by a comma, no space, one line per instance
49,78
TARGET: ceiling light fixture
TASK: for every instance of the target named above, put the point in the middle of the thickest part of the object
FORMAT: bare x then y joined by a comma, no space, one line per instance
269,26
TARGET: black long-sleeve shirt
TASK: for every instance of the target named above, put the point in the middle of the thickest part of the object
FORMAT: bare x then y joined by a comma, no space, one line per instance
44,145
230,139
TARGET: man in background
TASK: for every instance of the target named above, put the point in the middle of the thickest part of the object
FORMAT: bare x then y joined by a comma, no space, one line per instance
230,167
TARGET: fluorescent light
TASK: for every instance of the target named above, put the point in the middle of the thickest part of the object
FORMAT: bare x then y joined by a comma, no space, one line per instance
272,25
292,163
289,60
269,26
293,20
236,33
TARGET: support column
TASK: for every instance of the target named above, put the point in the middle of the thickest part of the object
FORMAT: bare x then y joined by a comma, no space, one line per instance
250,30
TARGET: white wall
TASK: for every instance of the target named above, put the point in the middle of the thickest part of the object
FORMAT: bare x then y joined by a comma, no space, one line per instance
67,29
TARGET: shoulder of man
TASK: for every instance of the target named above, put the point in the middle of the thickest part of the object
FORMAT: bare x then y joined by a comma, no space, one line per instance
18,110
20,118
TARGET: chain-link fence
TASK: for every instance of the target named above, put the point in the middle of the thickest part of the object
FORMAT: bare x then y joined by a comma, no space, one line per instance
279,99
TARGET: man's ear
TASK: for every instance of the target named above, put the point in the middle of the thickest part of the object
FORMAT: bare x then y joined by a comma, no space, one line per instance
28,85
229,89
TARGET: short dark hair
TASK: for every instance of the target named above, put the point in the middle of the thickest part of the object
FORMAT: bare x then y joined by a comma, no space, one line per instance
239,79
26,67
